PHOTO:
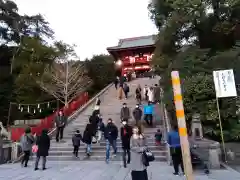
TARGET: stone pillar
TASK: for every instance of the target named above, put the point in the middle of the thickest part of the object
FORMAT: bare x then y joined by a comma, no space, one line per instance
214,155
196,128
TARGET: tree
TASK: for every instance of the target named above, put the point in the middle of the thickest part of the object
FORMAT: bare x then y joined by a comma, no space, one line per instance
24,46
10,20
195,42
101,70
65,80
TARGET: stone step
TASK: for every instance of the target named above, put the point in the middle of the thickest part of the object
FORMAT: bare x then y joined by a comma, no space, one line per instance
100,152
103,144
93,158
97,147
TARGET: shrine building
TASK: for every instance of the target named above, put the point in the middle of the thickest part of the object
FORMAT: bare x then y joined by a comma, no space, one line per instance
134,54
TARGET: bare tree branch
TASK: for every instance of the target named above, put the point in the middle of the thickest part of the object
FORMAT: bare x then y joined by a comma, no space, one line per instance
65,80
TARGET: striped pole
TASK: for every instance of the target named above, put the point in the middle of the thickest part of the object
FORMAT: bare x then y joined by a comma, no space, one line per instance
178,100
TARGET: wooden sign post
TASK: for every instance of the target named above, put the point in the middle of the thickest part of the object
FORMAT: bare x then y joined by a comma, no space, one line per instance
182,125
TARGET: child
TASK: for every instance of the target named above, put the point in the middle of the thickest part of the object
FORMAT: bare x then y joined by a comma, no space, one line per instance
77,137
158,137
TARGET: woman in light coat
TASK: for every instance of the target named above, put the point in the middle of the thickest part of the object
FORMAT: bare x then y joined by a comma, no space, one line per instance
138,145
151,94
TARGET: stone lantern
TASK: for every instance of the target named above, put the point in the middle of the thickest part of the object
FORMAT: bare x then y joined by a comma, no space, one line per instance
196,127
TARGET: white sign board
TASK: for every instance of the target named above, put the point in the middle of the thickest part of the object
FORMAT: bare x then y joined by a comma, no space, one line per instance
224,83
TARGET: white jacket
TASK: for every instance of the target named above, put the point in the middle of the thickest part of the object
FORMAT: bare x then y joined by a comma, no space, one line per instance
150,95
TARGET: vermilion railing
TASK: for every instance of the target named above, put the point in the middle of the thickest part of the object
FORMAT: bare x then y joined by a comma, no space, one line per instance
48,122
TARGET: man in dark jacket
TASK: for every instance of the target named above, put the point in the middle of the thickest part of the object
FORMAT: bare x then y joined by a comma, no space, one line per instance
60,122
116,81
43,143
156,94
76,140
110,134
125,113
137,114
126,90
126,134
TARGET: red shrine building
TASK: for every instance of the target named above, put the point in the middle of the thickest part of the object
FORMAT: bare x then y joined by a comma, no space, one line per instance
134,54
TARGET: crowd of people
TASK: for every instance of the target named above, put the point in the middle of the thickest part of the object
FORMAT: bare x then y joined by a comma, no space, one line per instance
132,139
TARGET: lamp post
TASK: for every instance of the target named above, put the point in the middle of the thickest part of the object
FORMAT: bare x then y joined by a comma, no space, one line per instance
118,64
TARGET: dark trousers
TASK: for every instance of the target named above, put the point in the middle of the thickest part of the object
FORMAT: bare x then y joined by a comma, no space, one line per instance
148,118
138,122
126,94
126,152
75,150
44,160
177,159
26,158
59,133
139,175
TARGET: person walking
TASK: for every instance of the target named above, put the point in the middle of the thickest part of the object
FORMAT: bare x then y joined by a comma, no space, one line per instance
145,92
156,93
111,135
97,104
125,113
43,143
148,113
158,137
76,140
138,94
120,91
60,122
138,145
116,82
151,95
26,142
100,129
175,150
94,121
126,134
137,114
87,137
126,90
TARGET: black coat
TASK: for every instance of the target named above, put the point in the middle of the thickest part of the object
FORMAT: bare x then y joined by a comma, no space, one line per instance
94,120
137,114
111,132
126,134
88,134
76,139
95,112
43,143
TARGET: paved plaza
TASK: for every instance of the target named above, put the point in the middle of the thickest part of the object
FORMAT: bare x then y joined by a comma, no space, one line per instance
90,170
60,165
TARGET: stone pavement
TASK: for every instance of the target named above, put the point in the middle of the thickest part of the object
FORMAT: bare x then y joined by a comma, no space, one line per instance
89,170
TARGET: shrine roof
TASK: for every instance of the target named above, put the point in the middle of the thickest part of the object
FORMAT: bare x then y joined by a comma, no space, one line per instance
141,41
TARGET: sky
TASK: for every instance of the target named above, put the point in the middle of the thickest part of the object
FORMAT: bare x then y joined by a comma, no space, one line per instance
93,25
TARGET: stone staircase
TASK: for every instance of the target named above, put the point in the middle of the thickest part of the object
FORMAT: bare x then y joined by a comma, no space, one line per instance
110,107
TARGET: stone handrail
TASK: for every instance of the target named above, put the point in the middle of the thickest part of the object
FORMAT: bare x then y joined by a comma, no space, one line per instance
167,129
167,126
70,119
